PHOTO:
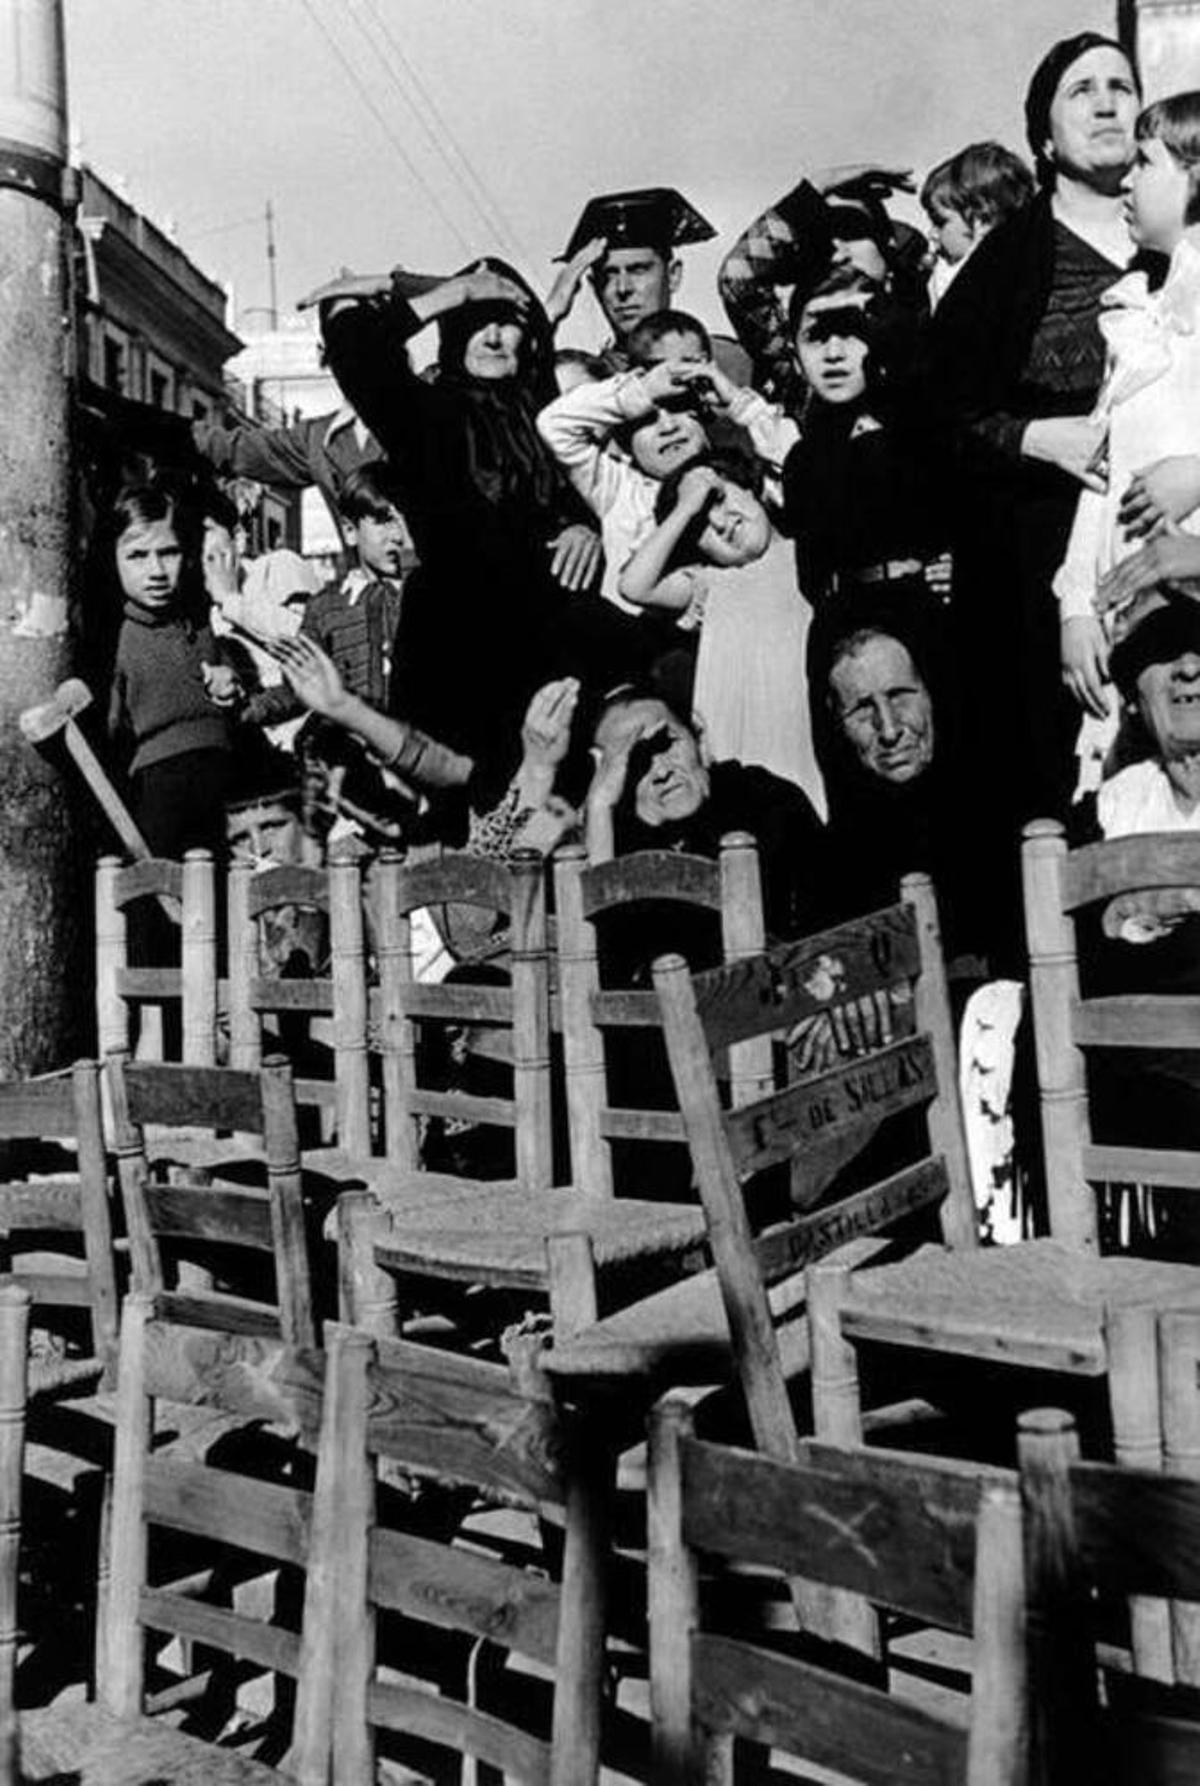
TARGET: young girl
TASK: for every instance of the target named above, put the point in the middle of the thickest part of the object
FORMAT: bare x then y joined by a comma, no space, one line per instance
1150,400
171,694
716,554
861,498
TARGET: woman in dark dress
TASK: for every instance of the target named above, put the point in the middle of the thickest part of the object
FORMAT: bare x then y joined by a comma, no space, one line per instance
500,604
1017,365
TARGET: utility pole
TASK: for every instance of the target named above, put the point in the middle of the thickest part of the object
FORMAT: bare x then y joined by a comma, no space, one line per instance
42,884
274,312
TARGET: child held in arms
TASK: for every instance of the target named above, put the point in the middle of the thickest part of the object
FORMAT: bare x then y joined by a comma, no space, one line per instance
618,438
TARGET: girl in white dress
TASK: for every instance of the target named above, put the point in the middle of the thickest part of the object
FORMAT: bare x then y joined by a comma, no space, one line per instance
715,556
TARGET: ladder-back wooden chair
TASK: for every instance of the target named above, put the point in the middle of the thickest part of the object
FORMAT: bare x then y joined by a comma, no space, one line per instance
889,963
595,1016
415,1608
924,1539
1053,1304
332,1003
1063,888
416,1224
263,1237
56,1218
1096,1535
124,993
225,1516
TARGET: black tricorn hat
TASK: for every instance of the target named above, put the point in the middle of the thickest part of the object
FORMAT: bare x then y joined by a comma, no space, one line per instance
650,217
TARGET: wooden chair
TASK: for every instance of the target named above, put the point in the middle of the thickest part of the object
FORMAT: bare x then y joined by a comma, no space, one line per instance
1047,1305
191,987
1097,1532
208,1222
815,1127
336,1000
928,1540
67,1260
228,1511
1061,887
660,881
438,1226
463,1422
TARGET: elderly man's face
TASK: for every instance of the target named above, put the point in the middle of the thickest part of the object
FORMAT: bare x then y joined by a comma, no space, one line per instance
673,783
884,709
1169,699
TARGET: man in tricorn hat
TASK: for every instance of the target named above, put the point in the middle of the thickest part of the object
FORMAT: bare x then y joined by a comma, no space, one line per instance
625,243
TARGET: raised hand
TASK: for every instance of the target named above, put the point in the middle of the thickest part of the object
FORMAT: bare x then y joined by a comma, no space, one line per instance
312,673
546,732
565,290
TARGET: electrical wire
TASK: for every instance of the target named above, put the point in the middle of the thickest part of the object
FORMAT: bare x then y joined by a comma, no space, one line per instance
439,133
364,94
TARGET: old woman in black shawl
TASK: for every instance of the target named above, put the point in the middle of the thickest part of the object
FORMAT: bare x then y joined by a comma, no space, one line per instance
902,799
500,604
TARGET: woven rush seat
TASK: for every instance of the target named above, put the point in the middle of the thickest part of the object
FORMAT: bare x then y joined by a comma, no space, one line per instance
86,1744
1040,1304
497,1233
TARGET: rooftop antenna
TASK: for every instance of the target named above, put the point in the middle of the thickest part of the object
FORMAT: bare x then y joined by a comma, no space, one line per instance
273,308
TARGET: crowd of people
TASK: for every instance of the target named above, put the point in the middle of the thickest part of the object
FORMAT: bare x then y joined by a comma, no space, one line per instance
899,565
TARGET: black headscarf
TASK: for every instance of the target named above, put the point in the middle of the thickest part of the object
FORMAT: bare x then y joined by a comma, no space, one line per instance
507,458
1044,85
880,831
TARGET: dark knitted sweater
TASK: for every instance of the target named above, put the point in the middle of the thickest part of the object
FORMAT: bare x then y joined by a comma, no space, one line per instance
158,700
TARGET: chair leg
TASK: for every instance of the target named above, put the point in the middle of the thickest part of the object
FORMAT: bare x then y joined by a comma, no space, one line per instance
366,1294
837,1417
580,1655
1131,1339
1179,1356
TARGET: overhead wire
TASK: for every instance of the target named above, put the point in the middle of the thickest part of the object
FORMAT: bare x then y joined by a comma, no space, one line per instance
365,95
441,135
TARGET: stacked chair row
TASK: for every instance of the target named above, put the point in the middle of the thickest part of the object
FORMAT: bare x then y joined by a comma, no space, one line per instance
376,1653
1054,1305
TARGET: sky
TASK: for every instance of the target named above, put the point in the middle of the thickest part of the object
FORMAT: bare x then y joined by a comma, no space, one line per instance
427,132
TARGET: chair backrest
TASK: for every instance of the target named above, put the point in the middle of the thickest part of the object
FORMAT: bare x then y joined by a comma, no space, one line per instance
67,1210
939,1543
338,998
14,1347
239,1513
588,1012
465,1423
187,888
203,1220
815,1126
515,891
1096,1533
1060,886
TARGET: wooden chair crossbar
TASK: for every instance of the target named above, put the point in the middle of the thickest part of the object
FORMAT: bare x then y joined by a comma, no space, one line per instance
588,1012
189,886
1096,1532
340,996
1059,886
461,1422
935,1545
273,1222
